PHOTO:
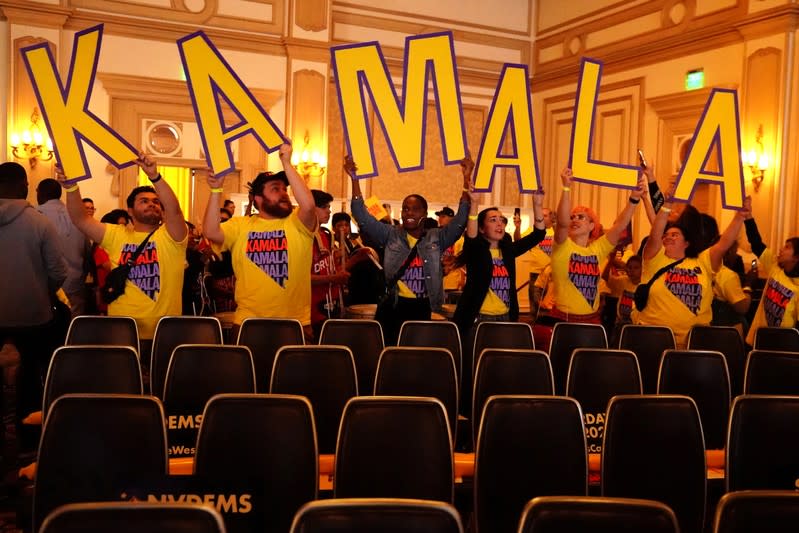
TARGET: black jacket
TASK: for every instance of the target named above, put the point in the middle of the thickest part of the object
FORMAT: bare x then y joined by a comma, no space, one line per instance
479,268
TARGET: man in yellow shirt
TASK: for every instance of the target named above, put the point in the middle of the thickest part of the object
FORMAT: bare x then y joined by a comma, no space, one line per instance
272,250
155,282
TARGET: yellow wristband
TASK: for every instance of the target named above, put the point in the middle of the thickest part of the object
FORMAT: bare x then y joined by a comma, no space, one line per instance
217,189
472,217
566,189
466,189
72,189
665,209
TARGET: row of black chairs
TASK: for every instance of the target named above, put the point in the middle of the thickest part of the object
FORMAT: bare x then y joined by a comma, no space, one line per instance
98,447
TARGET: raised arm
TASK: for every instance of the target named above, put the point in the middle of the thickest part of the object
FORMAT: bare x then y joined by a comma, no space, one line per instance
655,195
655,240
376,230
89,226
307,207
623,219
529,241
212,228
730,235
564,206
173,215
453,231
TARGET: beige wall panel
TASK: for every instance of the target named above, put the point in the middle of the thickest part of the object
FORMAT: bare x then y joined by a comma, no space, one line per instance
705,7
625,30
551,13
337,185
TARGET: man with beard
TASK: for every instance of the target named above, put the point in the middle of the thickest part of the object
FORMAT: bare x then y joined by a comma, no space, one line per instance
155,282
271,251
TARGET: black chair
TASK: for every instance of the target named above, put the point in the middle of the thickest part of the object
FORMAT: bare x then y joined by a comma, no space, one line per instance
133,517
503,371
394,447
770,372
595,376
433,333
103,330
368,515
702,375
782,339
94,446
172,331
196,373
364,338
648,344
528,446
769,511
511,335
412,371
92,369
654,449
555,514
264,337
266,440
761,446
728,341
566,336
326,376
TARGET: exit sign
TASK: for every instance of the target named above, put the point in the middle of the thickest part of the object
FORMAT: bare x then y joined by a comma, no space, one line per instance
694,79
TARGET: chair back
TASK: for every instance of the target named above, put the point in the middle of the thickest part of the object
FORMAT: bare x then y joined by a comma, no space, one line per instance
326,376
364,338
368,515
566,336
133,517
196,373
771,372
505,371
395,447
92,369
433,333
513,463
411,371
269,438
551,514
172,331
648,344
104,330
727,340
761,444
782,339
264,337
775,511
595,376
701,375
83,460
654,449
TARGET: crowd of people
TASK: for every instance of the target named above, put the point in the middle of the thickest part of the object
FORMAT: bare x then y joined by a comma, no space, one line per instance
282,261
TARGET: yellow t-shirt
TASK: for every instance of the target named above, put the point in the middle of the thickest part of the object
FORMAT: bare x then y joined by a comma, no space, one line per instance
412,283
681,297
155,282
538,257
727,286
272,263
497,300
457,277
779,305
576,273
625,289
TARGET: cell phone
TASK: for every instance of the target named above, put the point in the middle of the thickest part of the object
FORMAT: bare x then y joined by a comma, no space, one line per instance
517,212
641,158
754,263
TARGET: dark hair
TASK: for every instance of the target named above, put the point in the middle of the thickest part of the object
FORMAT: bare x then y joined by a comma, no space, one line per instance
48,189
13,181
429,223
339,217
137,191
190,225
257,185
321,198
691,250
228,202
418,197
114,215
223,211
87,199
635,258
794,242
481,216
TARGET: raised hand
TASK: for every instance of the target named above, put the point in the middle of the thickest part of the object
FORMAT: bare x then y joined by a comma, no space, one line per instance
349,166
566,176
147,164
214,182
284,152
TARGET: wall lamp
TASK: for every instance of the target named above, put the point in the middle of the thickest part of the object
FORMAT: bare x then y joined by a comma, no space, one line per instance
32,144
309,163
757,160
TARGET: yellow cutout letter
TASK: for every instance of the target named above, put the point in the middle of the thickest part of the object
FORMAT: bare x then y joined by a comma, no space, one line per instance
209,78
356,66
583,167
511,111
719,126
66,111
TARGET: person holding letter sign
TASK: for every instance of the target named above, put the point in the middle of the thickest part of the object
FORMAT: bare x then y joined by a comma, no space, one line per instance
271,251
155,281
412,252
681,296
577,252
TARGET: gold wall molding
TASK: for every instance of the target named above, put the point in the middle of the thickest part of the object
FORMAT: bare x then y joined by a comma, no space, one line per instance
311,15
31,14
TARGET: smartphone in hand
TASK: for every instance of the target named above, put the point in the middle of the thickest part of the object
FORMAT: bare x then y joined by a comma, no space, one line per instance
641,158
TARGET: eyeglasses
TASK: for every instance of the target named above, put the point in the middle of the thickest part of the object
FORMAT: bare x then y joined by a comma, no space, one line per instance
578,216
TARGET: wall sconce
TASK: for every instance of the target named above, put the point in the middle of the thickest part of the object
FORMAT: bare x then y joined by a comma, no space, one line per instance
32,144
757,160
309,163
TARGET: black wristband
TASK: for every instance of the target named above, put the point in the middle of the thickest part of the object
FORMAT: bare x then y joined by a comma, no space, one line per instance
157,178
635,201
